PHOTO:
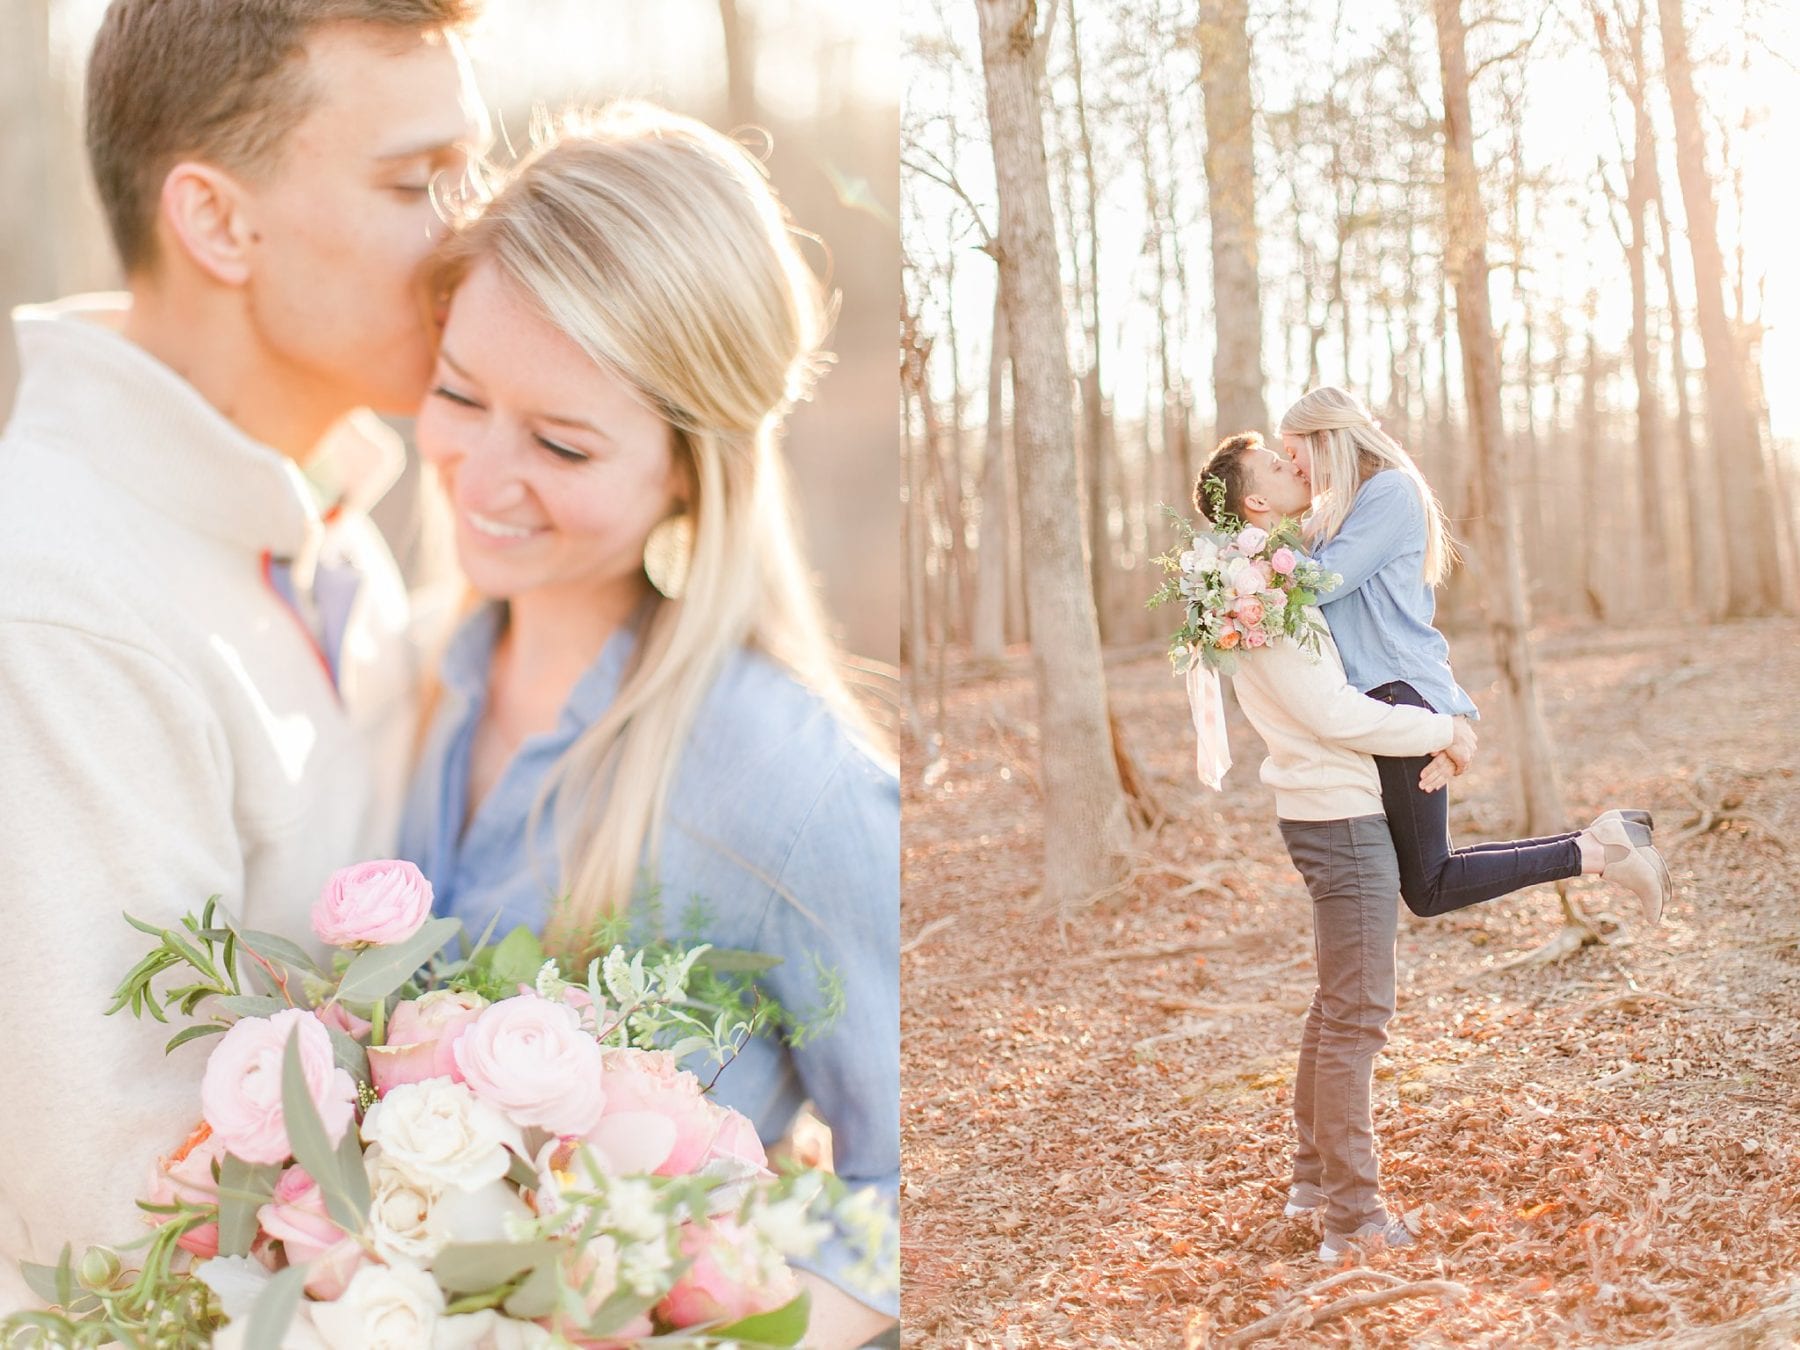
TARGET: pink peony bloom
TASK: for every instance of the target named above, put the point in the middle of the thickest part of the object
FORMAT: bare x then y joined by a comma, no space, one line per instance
648,1083
240,1093
724,1283
296,1216
1251,538
1253,578
530,1058
373,902
1282,561
1255,638
1249,611
421,1038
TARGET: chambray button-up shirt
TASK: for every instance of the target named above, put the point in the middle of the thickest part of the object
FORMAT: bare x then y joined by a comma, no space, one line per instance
779,822
1381,615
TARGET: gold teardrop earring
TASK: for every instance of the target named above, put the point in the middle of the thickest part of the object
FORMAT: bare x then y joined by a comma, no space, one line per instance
668,553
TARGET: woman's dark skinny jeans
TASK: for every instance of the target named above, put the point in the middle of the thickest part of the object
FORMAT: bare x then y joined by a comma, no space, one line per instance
1435,878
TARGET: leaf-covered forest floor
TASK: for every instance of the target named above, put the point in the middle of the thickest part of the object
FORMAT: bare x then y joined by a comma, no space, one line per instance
1095,1113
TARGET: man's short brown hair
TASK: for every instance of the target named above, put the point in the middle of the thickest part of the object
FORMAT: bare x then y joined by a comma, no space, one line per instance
1226,463
219,80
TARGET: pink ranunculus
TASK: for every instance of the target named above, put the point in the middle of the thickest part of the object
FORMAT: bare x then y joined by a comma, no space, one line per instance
1255,638
421,1038
1250,611
649,1083
1282,561
374,902
240,1093
1251,538
530,1058
340,1018
296,1215
723,1283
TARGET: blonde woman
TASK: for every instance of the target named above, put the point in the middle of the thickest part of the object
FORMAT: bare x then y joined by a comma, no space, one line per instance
647,700
1376,521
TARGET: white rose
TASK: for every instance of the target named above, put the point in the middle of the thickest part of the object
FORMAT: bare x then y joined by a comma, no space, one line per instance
300,1334
393,1307
479,1215
401,1210
441,1132
1200,557
487,1330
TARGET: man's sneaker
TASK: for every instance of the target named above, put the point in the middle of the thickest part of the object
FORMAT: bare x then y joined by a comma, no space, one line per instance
1392,1233
1303,1198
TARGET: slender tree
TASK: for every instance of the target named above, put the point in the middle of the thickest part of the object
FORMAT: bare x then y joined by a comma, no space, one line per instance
1224,39
1497,519
1084,806
1753,565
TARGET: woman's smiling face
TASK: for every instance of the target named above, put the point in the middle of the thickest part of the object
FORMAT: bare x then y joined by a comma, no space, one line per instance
555,469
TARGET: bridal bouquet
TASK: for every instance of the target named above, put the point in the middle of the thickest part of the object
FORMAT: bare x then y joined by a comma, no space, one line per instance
1240,588
412,1149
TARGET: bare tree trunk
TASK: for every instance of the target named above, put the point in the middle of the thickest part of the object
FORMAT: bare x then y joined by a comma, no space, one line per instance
1598,538
1704,512
1502,568
912,530
988,640
1224,37
1754,572
1084,805
740,64
956,497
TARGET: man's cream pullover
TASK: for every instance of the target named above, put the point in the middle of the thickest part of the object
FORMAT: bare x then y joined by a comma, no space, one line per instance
1320,731
169,731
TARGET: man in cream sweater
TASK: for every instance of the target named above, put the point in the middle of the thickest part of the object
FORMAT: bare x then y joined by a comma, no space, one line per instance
204,689
1320,733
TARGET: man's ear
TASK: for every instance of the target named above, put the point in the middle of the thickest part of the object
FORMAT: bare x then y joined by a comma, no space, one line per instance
207,211
1255,501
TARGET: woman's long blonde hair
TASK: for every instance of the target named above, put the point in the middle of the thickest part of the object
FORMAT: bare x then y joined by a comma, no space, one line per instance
657,244
1348,446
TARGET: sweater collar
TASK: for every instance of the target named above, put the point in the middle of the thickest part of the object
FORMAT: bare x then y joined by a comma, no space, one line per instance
95,394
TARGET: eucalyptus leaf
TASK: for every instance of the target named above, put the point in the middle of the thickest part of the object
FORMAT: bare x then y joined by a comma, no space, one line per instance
536,1297
471,1267
377,972
782,1326
622,1307
312,1148
42,1279
281,951
274,1311
518,958
251,1005
243,1188
735,961
349,1054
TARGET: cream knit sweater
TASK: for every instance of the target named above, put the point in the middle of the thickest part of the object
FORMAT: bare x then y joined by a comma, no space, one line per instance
167,732
1320,731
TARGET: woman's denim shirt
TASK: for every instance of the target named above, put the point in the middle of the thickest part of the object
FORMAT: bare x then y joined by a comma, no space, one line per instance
1381,613
782,826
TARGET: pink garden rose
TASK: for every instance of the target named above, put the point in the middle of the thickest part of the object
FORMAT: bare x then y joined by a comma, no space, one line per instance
1251,538
1255,638
340,1018
187,1176
421,1038
240,1093
1251,579
724,1282
530,1058
1250,611
1282,561
297,1216
374,902
736,1144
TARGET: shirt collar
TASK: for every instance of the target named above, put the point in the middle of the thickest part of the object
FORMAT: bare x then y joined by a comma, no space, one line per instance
91,392
470,653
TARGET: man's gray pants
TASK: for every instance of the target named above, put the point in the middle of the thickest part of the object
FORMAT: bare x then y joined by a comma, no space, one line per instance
1350,871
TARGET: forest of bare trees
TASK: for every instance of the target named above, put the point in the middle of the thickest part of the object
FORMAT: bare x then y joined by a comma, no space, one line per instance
1250,200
